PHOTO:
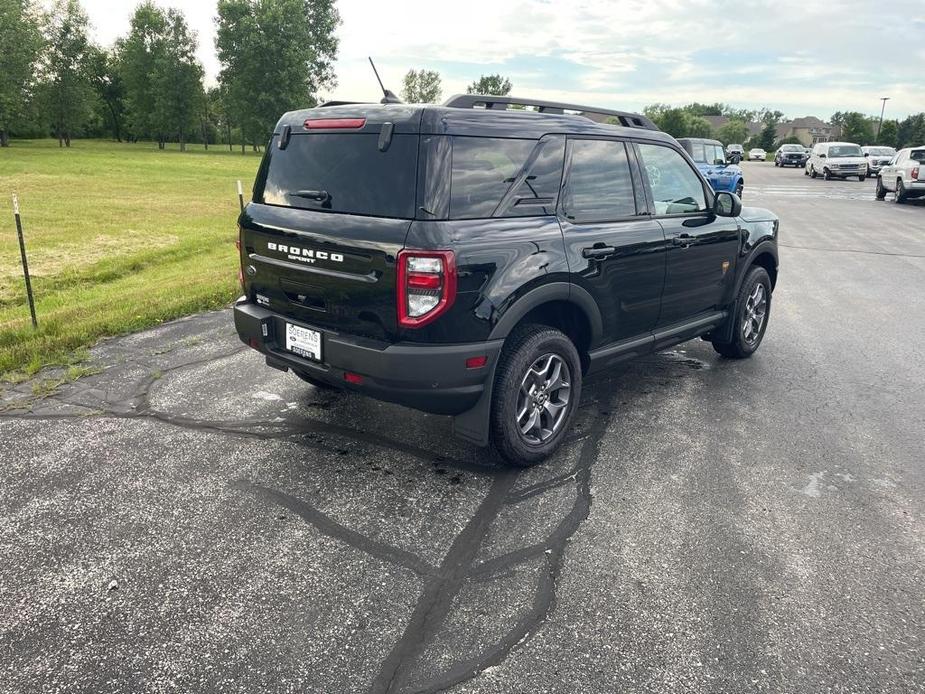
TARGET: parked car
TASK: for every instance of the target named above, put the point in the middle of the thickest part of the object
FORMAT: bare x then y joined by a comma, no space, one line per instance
836,160
757,154
877,157
710,158
447,258
734,154
903,175
790,155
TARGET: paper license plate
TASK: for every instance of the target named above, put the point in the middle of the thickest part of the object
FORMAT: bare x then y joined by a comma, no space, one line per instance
304,342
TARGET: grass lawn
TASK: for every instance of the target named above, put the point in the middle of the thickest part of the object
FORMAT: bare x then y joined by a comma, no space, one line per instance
119,236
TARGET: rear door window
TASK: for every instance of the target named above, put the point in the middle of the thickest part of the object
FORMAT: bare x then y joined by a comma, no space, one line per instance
676,188
600,185
344,173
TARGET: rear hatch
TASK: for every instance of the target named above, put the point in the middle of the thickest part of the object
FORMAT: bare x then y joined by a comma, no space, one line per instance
333,201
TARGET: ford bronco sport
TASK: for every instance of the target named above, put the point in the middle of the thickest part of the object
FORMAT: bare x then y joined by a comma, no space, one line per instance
479,259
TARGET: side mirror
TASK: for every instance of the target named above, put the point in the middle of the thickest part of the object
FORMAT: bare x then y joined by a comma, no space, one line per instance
719,162
866,154
822,156
727,205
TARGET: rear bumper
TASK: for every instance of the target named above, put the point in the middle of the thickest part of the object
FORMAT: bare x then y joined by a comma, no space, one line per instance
428,377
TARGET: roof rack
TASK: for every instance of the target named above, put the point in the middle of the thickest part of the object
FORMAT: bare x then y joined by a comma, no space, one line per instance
501,103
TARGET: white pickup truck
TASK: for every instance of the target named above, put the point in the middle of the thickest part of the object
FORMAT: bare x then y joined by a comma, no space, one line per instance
904,175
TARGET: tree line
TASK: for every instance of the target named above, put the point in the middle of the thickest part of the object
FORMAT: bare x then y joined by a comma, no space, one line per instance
690,121
275,55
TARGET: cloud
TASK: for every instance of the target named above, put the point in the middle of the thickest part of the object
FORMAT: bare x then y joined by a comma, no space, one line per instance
801,56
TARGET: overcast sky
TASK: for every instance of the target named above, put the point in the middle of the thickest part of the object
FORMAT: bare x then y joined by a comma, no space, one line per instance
804,57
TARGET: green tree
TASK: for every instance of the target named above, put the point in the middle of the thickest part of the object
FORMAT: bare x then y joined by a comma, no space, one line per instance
673,121
106,80
421,87
138,54
911,131
495,85
698,126
276,56
743,114
768,135
889,132
732,132
20,45
654,112
698,109
176,81
67,94
856,127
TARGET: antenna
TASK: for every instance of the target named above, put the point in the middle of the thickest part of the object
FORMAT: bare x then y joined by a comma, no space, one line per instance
387,96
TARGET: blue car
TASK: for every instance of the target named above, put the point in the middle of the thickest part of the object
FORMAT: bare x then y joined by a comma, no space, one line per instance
710,157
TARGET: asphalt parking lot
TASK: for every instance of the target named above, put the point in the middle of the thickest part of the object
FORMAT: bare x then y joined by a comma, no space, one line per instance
189,520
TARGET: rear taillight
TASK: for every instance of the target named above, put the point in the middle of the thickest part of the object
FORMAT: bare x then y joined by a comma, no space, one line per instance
426,286
915,173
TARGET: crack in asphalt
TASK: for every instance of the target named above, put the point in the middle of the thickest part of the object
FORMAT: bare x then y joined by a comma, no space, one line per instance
441,584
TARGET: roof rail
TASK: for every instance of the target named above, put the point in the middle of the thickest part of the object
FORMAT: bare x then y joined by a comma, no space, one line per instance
501,103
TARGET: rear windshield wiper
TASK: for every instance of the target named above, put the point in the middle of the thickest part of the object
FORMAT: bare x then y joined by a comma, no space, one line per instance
319,195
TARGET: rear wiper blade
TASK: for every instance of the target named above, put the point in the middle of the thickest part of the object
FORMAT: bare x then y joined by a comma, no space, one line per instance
319,195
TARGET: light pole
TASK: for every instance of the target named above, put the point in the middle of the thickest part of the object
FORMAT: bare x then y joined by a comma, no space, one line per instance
883,100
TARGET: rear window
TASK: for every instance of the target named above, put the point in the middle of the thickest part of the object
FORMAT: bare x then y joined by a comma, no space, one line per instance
343,173
918,155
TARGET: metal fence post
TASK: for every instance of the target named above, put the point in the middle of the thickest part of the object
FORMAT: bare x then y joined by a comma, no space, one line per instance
240,195
25,262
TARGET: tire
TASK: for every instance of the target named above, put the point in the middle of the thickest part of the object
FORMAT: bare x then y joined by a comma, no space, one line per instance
861,178
534,359
740,188
805,171
899,196
746,335
776,164
320,385
812,172
880,193
826,176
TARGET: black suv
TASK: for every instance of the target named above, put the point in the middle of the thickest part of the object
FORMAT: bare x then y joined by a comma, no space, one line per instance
480,258
791,155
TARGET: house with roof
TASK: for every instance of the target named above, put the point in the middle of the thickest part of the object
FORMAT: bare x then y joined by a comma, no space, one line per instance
808,130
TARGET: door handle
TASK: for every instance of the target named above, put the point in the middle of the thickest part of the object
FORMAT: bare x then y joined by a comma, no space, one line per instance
598,251
683,240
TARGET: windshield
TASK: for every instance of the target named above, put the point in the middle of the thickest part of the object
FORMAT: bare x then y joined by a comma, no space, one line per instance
882,151
791,148
845,151
917,155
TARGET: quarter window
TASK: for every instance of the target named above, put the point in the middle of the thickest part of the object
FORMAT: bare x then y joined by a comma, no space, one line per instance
482,172
676,189
600,186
